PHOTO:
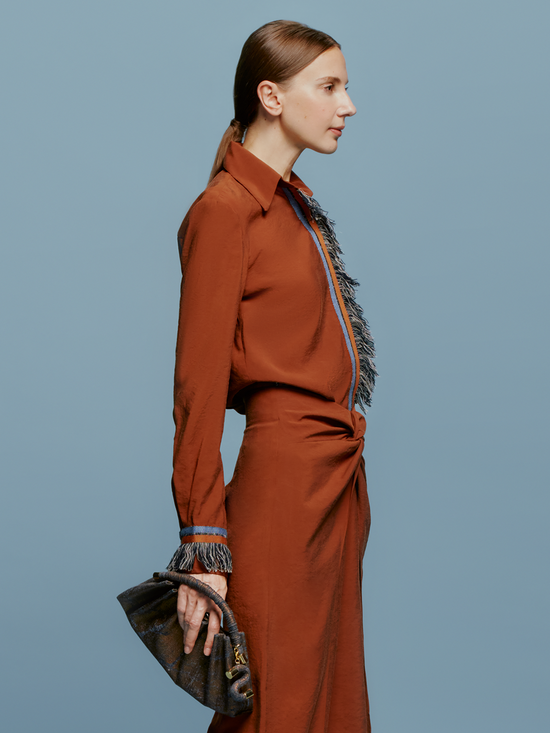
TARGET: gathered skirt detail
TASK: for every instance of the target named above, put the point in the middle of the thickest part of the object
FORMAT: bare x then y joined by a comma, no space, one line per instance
298,521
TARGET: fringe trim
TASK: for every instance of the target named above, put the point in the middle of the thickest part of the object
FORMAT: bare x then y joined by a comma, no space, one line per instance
214,556
360,327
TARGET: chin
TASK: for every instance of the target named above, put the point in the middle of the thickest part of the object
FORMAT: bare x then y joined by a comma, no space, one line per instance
326,148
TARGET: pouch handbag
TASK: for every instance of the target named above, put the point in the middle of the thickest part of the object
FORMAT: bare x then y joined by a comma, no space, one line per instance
220,681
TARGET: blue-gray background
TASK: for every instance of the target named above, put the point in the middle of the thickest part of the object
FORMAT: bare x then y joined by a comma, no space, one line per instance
112,112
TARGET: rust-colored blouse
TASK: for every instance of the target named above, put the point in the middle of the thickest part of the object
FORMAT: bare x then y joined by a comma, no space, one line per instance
260,303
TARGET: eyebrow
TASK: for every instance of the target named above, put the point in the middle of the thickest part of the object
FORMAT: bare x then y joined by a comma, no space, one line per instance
334,79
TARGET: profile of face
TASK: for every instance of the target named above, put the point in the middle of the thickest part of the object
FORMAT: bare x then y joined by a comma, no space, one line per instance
313,105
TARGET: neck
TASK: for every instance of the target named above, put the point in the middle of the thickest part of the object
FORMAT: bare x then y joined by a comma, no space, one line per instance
265,139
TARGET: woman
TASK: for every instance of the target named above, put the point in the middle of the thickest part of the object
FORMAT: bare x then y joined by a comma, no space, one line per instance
269,327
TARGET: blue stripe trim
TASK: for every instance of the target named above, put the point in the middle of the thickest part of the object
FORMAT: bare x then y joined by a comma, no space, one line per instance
186,531
300,214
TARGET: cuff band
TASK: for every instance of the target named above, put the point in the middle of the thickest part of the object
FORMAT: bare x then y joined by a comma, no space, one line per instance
220,531
203,538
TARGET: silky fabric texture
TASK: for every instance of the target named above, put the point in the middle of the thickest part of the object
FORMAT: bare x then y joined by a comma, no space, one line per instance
298,518
255,308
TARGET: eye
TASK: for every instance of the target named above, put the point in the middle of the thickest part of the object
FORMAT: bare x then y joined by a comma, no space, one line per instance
329,87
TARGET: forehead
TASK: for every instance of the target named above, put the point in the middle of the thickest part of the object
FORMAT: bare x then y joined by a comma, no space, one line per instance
330,63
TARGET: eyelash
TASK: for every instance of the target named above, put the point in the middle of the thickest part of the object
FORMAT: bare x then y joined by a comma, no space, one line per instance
330,87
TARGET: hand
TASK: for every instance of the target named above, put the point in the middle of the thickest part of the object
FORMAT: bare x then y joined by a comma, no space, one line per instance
192,606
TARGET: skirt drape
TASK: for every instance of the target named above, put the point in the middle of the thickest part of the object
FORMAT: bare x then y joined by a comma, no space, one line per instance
298,521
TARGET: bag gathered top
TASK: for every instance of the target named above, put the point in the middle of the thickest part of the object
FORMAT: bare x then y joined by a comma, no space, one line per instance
220,681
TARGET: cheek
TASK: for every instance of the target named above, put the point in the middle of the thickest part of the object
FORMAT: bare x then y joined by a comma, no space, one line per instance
316,112
312,110
324,115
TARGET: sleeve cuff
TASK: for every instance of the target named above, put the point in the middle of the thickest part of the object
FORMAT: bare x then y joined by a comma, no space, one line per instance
206,546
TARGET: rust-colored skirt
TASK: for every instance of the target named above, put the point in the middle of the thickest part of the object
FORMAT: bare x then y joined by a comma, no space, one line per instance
298,521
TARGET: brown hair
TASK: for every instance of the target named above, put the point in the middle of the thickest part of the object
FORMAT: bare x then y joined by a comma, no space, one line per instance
275,52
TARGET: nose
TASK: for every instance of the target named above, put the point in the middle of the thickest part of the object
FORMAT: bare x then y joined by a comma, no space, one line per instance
348,108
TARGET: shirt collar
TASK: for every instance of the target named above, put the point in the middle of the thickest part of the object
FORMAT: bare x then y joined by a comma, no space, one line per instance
257,177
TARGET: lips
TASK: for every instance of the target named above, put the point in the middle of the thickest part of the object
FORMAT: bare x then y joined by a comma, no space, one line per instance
336,130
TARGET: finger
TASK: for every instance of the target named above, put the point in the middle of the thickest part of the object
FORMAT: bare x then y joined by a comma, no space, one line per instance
182,605
190,603
190,606
193,622
213,629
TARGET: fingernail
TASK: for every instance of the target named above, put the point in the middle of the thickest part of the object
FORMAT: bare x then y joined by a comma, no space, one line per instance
207,652
187,649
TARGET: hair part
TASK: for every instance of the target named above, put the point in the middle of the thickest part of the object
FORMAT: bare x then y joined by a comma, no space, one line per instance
275,52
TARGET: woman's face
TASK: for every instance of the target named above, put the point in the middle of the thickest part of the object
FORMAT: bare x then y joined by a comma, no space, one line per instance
315,103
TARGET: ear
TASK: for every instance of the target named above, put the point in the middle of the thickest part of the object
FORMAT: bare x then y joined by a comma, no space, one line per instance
269,95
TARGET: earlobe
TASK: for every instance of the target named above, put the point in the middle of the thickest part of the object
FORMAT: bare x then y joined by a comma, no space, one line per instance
269,96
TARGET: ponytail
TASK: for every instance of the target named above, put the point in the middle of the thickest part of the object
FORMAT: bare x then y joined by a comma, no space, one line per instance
234,133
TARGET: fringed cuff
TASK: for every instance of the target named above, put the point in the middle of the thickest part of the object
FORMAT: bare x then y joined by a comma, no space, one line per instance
205,544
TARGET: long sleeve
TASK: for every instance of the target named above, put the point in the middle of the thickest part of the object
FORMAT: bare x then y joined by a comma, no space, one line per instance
213,273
